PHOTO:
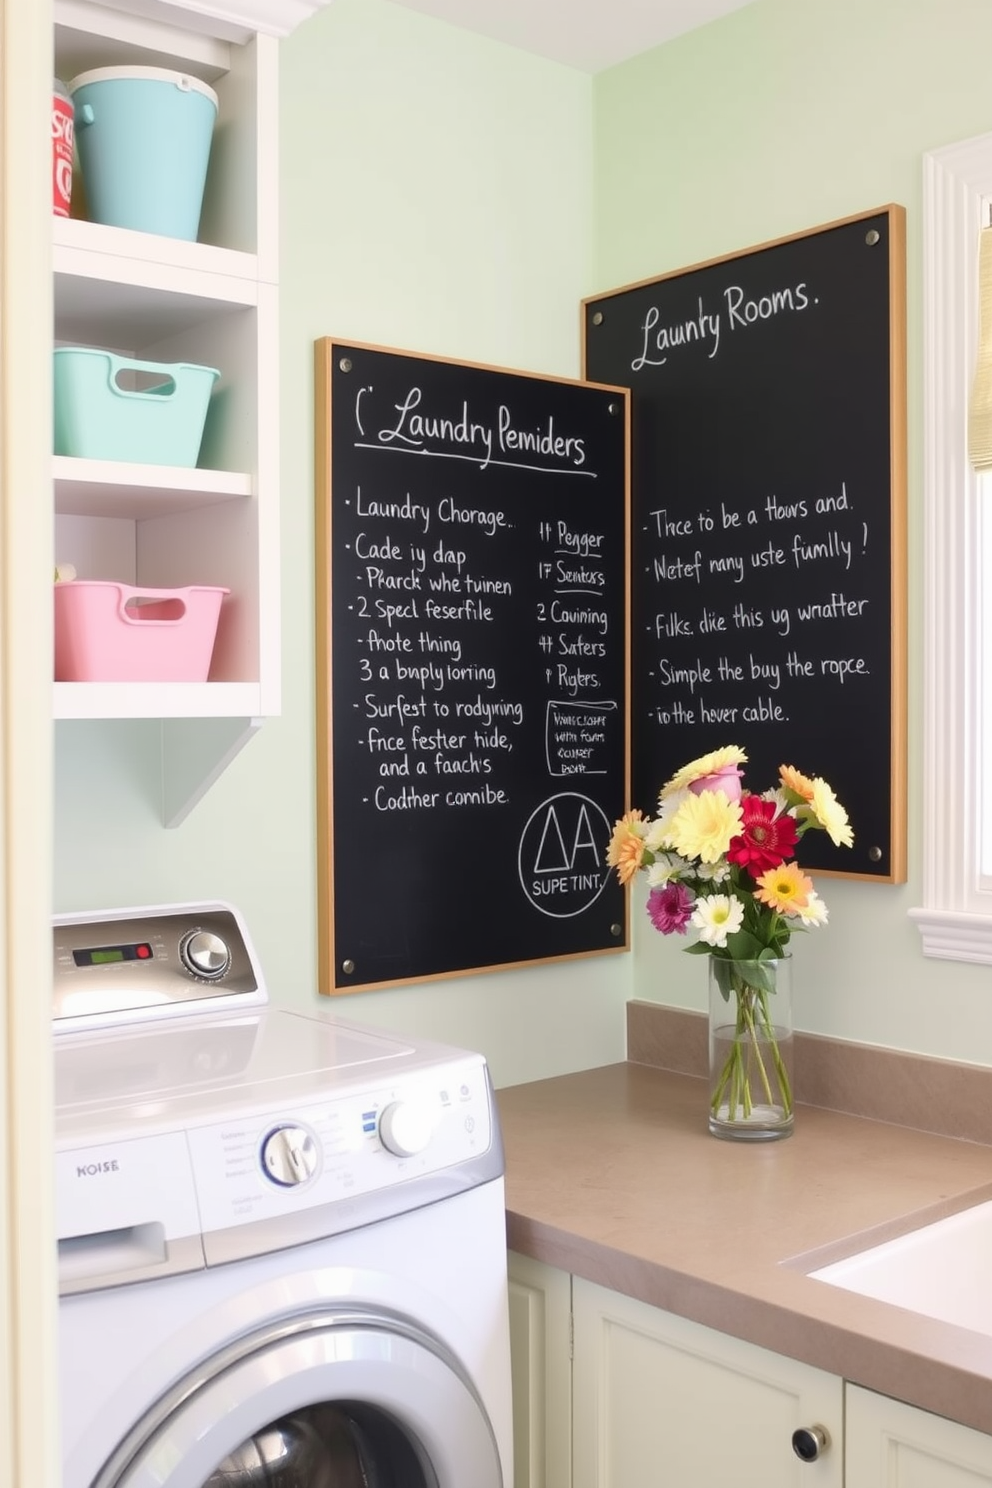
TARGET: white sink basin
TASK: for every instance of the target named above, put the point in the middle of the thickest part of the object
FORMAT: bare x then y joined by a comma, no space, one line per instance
943,1270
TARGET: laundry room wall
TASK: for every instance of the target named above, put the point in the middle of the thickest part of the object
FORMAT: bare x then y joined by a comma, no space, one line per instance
436,196
784,115
444,193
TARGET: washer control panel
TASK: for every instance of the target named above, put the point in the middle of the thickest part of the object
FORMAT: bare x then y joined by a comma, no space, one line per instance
341,1147
140,964
254,1182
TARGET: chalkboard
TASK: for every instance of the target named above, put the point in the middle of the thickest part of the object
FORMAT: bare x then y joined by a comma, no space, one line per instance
768,519
472,604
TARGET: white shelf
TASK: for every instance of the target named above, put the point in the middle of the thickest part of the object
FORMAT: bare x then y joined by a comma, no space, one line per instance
96,700
212,303
109,249
117,488
137,310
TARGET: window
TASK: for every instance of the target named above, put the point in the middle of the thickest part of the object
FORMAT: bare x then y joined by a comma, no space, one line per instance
956,920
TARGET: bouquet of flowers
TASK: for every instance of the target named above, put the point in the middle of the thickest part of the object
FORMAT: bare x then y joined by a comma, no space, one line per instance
720,859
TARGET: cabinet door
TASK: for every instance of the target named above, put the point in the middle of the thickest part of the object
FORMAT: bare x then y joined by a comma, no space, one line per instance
540,1350
658,1400
892,1445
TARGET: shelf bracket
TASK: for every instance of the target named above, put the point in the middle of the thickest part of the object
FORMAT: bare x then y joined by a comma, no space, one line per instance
195,753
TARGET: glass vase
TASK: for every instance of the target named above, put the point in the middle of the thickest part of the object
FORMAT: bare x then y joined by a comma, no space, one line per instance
750,1040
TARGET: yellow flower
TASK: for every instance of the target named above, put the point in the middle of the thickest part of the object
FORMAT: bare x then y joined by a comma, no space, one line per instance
799,785
703,826
626,849
707,764
785,888
831,814
657,836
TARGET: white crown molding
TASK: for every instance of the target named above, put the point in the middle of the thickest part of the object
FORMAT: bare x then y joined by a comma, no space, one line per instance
232,20
956,921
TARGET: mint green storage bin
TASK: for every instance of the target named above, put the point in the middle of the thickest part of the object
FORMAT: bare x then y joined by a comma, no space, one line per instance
144,136
109,407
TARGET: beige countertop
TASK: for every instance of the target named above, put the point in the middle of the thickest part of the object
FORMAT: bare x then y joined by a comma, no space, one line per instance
612,1174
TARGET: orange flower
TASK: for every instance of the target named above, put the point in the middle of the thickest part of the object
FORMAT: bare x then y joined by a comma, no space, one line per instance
626,850
785,888
799,785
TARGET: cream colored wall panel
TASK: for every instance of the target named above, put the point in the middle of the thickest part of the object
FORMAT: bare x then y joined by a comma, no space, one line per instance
28,1428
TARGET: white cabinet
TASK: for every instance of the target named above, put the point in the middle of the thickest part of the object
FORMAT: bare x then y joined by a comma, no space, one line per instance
630,1395
541,1348
892,1445
215,303
657,1398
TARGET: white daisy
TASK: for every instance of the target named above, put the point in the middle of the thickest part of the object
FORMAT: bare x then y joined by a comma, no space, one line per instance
664,868
716,916
814,912
782,806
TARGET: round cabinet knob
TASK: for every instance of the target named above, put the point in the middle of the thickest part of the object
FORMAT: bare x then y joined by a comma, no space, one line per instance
205,955
405,1128
289,1156
810,1442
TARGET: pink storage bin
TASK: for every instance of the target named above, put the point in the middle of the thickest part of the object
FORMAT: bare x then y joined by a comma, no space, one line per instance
109,632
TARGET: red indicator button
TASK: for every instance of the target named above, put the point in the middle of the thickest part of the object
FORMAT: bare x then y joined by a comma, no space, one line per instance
143,952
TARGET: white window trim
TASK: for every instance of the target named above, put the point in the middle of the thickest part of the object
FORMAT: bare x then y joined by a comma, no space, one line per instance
956,920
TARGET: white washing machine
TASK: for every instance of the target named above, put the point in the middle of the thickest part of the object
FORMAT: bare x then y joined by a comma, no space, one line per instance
282,1250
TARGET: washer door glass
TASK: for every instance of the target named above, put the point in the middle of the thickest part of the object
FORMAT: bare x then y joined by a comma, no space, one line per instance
348,1445
325,1401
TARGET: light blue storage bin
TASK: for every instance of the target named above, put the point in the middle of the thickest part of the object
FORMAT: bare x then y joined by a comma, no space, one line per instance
144,136
109,407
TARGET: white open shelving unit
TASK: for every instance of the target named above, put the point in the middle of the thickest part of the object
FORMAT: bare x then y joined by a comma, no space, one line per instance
215,303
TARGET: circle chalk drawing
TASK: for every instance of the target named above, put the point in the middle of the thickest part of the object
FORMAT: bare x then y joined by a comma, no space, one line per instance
561,857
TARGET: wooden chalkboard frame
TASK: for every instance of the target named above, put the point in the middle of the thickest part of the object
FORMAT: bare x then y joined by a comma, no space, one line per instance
889,228
610,932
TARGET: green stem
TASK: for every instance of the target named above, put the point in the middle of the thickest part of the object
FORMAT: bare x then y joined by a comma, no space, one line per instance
745,1062
782,1073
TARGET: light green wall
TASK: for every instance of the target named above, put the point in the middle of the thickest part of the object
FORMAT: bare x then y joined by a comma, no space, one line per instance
436,196
445,194
784,115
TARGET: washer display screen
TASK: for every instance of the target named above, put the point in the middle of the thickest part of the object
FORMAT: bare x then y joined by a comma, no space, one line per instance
106,955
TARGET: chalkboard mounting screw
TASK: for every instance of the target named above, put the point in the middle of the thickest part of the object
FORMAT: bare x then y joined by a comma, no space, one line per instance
613,408
347,967
598,318
872,237
345,364
616,929
875,854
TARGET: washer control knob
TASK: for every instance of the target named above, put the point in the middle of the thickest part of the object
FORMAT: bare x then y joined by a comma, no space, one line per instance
405,1128
205,955
289,1156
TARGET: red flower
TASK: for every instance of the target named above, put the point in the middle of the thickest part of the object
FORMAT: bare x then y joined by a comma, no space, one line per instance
766,840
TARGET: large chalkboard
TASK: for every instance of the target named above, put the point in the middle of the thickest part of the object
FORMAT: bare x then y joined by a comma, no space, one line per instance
472,531
768,519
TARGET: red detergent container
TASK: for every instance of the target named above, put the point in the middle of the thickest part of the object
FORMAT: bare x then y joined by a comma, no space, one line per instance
63,127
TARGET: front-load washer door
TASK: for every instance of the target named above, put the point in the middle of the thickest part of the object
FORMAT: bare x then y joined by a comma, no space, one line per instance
343,1400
